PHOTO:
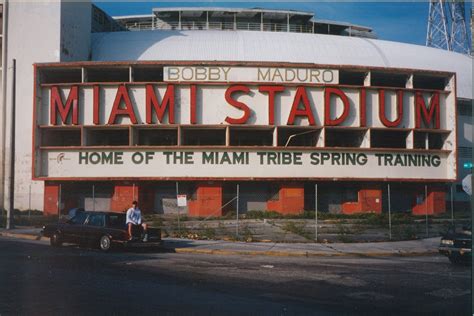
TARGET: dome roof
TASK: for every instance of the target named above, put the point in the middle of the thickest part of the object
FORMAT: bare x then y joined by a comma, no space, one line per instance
279,47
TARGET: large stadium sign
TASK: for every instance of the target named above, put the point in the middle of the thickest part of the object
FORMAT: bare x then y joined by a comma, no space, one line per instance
242,104
286,102
244,164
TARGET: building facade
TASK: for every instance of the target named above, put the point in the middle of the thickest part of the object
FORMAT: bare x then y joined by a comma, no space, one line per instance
229,109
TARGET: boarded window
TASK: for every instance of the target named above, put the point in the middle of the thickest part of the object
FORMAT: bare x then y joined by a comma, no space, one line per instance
157,137
142,74
202,137
355,78
58,75
108,137
251,137
421,81
344,137
388,139
108,74
379,79
298,136
61,137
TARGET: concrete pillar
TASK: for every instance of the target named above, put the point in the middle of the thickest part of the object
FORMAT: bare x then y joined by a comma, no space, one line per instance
290,199
208,200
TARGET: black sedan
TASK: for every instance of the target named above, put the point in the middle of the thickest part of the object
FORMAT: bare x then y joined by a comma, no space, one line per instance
101,229
456,245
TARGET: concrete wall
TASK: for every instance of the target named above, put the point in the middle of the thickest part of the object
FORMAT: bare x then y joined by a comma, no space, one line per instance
35,30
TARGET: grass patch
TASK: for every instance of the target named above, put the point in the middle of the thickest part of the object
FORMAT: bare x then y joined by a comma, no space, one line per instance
297,229
246,233
405,232
33,220
343,233
207,232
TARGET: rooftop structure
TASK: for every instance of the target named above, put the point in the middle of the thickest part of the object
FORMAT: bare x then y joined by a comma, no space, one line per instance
233,19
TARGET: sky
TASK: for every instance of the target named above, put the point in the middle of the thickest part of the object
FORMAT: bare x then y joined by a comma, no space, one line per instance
403,21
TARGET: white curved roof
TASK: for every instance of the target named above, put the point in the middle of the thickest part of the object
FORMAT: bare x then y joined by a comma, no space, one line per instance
279,47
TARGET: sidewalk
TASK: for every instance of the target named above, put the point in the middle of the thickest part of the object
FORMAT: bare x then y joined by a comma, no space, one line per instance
217,247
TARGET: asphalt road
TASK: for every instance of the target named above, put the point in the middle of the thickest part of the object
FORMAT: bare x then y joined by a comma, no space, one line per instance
37,279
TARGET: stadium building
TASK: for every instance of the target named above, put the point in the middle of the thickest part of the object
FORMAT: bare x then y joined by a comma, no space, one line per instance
250,108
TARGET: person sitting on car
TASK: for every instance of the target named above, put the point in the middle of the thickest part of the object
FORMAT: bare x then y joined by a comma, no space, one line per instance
134,218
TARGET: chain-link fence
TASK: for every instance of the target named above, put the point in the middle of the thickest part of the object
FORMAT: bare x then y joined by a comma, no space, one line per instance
268,211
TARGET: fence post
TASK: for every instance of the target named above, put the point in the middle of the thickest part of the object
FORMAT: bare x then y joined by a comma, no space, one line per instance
179,222
426,210
29,205
237,209
93,197
59,201
316,212
452,204
389,214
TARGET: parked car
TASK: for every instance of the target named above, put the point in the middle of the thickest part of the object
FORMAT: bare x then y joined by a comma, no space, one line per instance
101,229
456,245
74,211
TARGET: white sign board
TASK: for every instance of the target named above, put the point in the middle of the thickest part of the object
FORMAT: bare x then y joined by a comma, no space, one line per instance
181,200
199,163
250,74
467,184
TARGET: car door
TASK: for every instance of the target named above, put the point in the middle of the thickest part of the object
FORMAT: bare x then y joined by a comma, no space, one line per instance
93,228
115,225
72,230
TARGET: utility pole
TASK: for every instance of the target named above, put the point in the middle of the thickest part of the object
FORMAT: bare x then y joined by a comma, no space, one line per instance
11,207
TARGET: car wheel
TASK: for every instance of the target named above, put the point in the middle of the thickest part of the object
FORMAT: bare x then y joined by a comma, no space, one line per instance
105,243
56,240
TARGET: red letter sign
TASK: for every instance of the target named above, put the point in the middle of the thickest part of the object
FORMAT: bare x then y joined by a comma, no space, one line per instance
327,106
122,95
272,90
363,108
427,114
96,105
64,110
193,104
237,104
305,111
167,102
383,117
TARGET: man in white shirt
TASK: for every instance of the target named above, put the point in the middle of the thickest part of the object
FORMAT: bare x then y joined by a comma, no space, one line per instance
134,217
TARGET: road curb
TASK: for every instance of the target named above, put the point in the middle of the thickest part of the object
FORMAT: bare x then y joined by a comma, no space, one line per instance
302,253
23,236
222,252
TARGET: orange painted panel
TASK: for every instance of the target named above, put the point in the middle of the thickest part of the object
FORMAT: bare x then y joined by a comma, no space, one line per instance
51,195
123,196
351,208
291,199
208,200
435,202
369,201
